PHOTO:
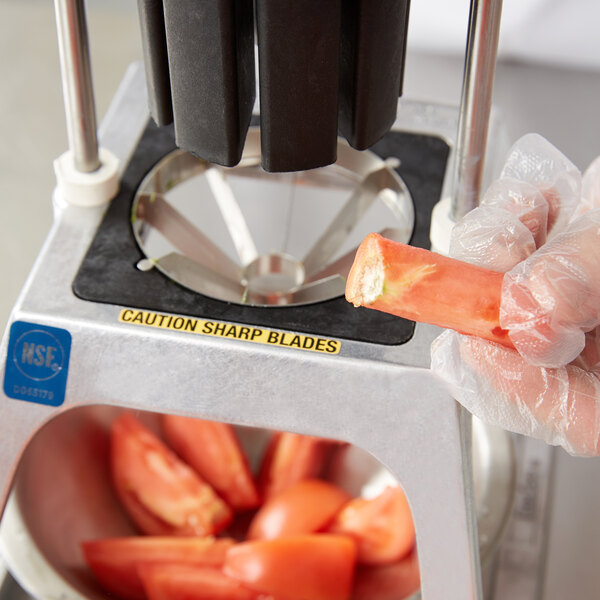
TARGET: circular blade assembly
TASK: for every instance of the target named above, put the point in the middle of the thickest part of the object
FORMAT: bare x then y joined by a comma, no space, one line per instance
246,236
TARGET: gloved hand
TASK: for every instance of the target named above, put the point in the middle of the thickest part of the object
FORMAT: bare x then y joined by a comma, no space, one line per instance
538,223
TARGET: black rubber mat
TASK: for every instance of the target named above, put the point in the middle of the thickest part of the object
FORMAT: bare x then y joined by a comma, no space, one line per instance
108,273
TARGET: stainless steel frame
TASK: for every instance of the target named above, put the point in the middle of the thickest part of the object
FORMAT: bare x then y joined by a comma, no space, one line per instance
476,103
80,110
379,398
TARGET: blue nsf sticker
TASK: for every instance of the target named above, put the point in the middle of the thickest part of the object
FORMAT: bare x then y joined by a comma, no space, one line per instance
37,363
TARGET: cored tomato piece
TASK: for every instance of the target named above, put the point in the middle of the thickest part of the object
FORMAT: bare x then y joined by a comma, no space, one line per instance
289,458
162,494
185,582
114,561
213,450
316,567
306,507
424,286
388,582
382,527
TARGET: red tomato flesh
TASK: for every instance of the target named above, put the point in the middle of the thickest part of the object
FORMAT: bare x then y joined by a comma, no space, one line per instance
185,582
289,458
114,561
306,507
427,287
303,567
382,527
213,450
161,493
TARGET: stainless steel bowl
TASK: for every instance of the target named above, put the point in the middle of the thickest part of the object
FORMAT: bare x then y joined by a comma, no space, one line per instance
62,495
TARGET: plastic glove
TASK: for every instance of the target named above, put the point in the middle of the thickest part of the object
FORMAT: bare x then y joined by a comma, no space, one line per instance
549,387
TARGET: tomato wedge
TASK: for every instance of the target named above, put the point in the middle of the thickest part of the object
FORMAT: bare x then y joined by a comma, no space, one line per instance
162,495
114,561
388,582
382,527
289,458
306,507
316,567
213,450
185,582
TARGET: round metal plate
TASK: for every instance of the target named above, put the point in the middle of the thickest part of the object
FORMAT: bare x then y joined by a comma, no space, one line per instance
207,227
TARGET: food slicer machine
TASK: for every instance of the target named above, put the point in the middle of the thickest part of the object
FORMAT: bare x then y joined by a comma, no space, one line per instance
198,268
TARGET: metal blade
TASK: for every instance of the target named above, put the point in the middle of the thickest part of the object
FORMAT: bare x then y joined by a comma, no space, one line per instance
199,278
344,222
315,292
232,215
343,264
186,237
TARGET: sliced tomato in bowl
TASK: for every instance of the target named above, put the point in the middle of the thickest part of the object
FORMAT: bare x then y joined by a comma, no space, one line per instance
315,566
292,457
306,507
161,493
213,450
186,582
382,527
114,561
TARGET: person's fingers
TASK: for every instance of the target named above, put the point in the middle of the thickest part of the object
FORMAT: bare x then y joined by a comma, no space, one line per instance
523,200
590,189
560,406
534,160
537,192
491,237
589,359
551,299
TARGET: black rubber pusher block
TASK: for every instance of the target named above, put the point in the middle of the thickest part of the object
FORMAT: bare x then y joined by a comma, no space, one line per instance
298,49
156,62
371,68
211,61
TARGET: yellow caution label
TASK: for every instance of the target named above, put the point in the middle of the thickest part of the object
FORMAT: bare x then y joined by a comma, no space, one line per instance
247,333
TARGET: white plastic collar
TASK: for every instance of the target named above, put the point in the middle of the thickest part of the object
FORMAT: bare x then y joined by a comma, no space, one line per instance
86,189
441,226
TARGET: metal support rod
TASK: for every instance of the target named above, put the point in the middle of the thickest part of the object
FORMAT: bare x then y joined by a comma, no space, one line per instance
476,101
78,94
